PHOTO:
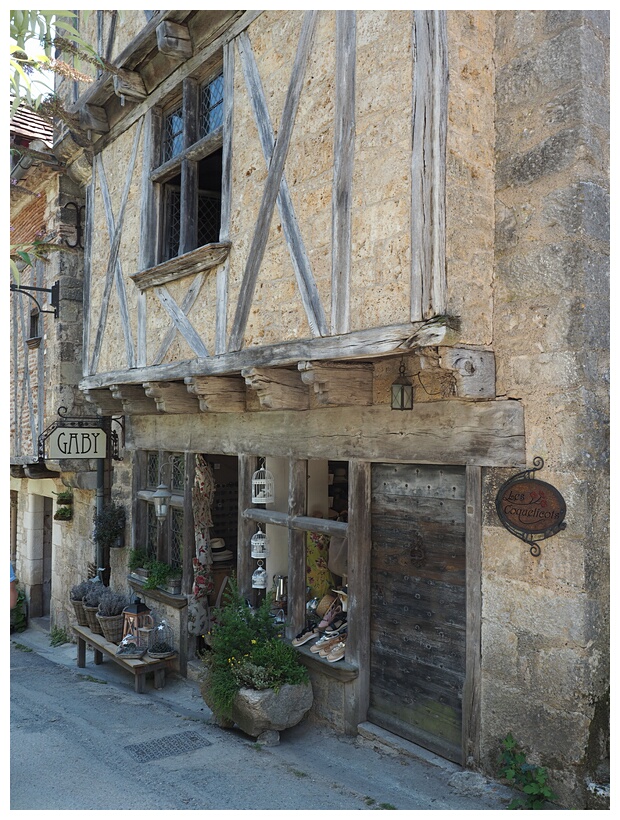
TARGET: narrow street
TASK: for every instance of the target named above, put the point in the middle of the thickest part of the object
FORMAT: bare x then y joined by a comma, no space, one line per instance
82,739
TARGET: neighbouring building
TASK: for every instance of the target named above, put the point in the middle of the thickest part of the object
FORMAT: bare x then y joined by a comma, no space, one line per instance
288,215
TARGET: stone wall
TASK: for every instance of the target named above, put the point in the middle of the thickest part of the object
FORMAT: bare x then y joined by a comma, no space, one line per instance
545,645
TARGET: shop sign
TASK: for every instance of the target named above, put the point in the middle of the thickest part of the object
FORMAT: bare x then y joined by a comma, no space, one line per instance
80,442
531,509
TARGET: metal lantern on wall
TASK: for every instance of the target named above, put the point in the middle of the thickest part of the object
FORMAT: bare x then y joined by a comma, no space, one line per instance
263,487
259,544
135,617
259,577
402,390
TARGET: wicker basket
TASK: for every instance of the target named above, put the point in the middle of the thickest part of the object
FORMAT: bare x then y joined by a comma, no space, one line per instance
112,627
91,616
80,615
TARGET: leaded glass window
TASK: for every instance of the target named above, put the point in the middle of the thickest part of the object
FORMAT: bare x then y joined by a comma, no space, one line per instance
151,531
212,106
152,469
178,473
173,137
176,537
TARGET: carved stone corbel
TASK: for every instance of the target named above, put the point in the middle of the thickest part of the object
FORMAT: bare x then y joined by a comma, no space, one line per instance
104,402
218,394
338,384
277,388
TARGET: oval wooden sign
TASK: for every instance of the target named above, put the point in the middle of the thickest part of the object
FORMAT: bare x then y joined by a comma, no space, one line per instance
531,507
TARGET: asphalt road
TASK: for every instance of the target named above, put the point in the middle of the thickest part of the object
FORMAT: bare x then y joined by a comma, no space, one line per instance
82,739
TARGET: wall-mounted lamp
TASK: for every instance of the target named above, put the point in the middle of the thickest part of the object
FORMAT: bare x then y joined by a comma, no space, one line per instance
54,292
402,390
162,494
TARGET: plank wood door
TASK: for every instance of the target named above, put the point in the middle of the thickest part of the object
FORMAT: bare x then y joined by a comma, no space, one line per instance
417,658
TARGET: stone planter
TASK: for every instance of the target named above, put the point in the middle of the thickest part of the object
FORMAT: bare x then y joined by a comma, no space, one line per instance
263,714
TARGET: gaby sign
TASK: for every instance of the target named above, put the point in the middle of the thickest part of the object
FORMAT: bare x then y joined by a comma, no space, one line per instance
77,442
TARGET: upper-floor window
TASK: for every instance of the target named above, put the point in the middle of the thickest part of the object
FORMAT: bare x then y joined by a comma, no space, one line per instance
190,173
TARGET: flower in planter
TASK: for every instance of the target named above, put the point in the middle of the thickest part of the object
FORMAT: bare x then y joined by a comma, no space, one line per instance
247,652
63,514
78,591
112,603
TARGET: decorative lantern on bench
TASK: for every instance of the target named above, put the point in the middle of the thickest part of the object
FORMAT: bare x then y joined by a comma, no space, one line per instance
136,616
259,544
263,487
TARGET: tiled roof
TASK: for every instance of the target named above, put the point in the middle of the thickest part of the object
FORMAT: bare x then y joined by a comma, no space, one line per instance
28,126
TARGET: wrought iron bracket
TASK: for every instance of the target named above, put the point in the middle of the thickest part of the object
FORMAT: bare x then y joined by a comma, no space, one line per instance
530,509
54,292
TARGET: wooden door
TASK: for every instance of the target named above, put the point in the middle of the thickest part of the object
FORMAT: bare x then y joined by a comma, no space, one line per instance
417,657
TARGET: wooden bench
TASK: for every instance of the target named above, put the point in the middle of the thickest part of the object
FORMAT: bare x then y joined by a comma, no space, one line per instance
137,666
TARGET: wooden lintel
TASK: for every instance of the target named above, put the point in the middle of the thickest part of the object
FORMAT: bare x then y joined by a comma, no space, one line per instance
338,383
171,397
174,40
94,118
277,388
129,84
473,370
218,394
104,401
134,400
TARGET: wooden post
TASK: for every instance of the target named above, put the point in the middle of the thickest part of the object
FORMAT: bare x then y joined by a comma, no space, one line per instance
296,613
473,582
247,467
358,582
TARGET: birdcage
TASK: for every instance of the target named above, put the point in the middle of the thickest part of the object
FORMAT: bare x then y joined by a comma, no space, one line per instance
259,543
161,641
259,577
263,486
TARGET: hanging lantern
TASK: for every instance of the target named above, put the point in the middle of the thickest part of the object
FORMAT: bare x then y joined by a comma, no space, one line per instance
259,577
259,544
161,497
136,616
263,487
402,390
161,641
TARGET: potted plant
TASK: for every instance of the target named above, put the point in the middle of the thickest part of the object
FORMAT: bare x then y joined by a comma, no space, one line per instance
76,594
110,614
63,514
110,526
91,605
64,497
138,560
252,677
160,574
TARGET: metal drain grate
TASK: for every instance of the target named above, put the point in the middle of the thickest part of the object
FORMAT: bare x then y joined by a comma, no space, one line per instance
167,746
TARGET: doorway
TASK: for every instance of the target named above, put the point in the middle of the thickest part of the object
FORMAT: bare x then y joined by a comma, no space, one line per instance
418,604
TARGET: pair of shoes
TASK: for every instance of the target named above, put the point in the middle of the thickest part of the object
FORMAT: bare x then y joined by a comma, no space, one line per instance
307,634
337,628
330,645
334,610
337,652
322,641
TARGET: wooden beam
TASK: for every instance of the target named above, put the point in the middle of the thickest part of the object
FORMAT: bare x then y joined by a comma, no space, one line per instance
186,305
189,264
221,286
181,322
361,344
218,394
428,176
337,383
129,84
344,149
277,389
104,402
483,433
272,184
94,118
174,40
171,397
133,399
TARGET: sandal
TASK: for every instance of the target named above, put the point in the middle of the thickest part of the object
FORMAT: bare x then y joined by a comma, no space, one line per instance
320,644
307,633
337,652
331,644
334,610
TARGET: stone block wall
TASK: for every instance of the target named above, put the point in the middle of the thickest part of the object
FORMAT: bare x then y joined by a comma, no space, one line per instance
545,646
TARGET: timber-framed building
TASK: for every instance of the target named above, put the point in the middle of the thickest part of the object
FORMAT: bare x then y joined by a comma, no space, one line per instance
286,212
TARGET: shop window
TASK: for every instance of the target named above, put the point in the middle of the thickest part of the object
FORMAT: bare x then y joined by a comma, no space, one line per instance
163,540
190,174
